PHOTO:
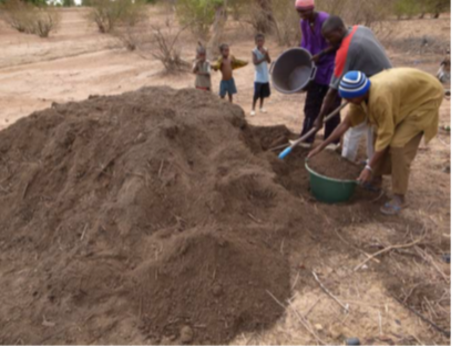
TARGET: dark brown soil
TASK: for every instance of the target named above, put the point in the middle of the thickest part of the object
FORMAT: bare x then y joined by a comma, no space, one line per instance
149,217
331,164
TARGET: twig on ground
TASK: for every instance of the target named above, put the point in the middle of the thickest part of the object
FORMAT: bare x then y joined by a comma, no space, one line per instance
379,323
387,249
306,324
435,326
312,307
301,319
430,260
296,280
345,307
351,245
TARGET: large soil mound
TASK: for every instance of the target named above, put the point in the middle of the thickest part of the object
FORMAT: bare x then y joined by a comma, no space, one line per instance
149,217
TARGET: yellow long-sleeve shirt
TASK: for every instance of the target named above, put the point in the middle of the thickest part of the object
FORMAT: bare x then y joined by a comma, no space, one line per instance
236,63
403,102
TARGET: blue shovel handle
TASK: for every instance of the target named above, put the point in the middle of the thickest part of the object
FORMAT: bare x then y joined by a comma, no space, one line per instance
285,152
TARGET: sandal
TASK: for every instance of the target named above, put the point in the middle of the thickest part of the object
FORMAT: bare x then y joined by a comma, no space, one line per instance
391,209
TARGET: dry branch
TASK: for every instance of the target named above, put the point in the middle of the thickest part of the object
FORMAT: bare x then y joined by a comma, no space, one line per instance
345,307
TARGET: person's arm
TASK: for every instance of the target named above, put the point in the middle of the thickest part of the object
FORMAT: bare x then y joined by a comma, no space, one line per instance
322,53
257,61
195,67
217,65
267,56
335,135
367,173
385,133
327,106
237,63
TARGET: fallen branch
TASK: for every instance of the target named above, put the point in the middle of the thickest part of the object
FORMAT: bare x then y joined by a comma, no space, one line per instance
387,249
427,320
345,307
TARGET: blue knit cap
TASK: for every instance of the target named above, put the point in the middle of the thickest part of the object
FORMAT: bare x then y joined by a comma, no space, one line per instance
354,84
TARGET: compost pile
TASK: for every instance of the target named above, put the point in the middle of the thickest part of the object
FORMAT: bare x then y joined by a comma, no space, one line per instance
150,217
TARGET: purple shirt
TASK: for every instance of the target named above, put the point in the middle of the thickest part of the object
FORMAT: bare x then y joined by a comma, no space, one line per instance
314,42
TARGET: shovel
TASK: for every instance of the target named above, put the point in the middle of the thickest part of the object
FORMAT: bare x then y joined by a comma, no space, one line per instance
289,149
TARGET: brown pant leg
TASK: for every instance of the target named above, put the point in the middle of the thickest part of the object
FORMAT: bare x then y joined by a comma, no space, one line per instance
401,159
384,165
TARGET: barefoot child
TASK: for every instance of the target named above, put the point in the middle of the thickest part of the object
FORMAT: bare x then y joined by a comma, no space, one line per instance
202,70
261,59
227,63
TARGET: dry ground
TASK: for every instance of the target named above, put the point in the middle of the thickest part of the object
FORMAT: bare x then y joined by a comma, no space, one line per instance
77,62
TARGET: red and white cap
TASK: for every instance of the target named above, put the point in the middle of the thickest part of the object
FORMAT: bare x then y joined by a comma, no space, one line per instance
304,4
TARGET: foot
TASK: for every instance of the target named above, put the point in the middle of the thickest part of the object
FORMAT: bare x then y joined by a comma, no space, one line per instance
301,144
262,110
393,207
252,113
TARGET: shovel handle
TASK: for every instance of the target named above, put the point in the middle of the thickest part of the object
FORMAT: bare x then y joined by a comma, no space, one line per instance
311,132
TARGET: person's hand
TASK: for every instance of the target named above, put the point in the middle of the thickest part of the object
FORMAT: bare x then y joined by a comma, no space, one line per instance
365,176
314,152
316,58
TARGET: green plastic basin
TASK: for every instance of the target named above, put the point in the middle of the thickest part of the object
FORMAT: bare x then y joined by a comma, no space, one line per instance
330,190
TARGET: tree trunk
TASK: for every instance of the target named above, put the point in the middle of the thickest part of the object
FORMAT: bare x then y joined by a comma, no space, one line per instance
218,28
266,22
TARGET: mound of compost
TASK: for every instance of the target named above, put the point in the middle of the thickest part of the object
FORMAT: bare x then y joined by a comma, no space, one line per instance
331,164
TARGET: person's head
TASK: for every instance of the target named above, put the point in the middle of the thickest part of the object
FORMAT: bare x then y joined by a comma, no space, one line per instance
305,8
260,40
334,30
225,50
354,87
201,53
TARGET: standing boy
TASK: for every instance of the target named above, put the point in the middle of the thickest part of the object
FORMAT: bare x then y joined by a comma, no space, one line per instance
227,63
261,59
202,70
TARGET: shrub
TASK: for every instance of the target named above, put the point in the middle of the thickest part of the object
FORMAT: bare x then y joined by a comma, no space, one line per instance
109,14
30,19
198,15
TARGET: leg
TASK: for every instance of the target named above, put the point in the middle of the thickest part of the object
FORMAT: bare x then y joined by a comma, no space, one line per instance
401,159
254,103
265,92
333,122
231,98
314,100
255,98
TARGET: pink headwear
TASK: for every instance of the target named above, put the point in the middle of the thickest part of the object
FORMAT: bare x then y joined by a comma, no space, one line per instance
305,4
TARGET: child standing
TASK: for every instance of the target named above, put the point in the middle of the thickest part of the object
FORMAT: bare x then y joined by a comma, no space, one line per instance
227,63
261,59
202,70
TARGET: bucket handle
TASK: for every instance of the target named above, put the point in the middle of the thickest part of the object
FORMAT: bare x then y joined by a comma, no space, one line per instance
313,72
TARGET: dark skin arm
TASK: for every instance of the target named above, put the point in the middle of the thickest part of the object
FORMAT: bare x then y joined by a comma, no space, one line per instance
327,106
366,174
335,135
259,61
317,57
196,71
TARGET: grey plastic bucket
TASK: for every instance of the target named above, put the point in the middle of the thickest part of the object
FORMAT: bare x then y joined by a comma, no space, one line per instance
293,70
